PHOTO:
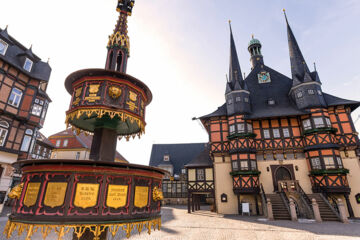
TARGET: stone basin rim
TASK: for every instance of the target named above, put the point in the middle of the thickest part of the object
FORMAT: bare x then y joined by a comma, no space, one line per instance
129,166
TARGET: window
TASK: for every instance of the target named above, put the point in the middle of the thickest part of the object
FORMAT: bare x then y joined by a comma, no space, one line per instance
319,122
65,143
77,157
28,64
266,133
36,109
238,99
249,127
183,171
311,92
306,124
246,99
276,133
271,102
200,174
315,163
3,47
166,157
235,165
286,132
15,97
299,94
26,140
253,165
232,129
241,128
55,155
339,162
244,165
58,142
329,162
319,92
44,110
4,126
229,101
328,122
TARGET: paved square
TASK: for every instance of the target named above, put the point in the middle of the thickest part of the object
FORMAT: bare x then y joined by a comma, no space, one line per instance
179,225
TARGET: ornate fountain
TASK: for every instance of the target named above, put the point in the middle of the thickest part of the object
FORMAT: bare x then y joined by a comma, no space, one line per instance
96,197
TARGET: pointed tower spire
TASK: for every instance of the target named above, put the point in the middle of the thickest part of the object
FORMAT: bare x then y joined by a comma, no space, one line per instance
298,64
234,68
119,44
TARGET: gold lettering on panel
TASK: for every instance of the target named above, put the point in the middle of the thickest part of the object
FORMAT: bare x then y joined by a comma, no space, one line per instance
31,194
86,195
93,90
55,194
116,196
141,196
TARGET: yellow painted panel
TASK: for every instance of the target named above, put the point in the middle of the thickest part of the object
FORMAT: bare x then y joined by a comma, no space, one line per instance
209,174
191,173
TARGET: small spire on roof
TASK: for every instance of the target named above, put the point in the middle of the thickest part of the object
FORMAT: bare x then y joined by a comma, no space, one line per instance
48,60
252,36
314,66
6,27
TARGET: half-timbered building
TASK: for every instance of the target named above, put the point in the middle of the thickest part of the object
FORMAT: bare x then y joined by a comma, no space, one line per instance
23,103
200,180
277,134
173,158
71,145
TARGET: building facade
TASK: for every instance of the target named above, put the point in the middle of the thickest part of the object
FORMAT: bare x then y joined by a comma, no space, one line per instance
23,103
173,158
69,145
279,137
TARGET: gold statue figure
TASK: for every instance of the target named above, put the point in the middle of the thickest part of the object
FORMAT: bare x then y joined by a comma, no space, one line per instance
114,92
16,191
157,194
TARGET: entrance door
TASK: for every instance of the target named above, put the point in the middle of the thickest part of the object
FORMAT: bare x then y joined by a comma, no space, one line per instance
281,173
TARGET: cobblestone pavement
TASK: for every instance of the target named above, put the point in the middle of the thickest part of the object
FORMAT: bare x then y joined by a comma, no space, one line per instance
177,224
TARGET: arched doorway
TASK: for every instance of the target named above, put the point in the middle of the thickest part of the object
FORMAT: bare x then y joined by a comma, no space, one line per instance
281,173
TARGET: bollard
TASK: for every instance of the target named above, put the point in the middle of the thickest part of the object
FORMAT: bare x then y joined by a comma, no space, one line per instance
316,210
293,210
270,212
342,211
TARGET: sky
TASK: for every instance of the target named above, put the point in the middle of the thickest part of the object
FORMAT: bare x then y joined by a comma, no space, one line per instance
180,49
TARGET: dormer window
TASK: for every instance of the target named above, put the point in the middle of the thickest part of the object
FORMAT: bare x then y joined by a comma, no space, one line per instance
319,92
246,99
229,101
238,99
28,65
271,101
3,47
299,95
166,158
311,92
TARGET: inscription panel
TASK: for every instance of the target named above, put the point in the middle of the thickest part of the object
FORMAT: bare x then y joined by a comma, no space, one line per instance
31,193
116,196
55,194
141,196
86,195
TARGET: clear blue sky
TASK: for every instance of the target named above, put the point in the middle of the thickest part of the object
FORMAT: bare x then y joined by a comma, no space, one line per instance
180,49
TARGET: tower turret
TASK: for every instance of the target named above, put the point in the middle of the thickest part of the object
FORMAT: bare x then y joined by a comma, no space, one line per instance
119,44
306,88
254,48
237,94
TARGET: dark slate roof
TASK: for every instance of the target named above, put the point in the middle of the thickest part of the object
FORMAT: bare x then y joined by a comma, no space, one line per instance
278,89
15,57
180,154
335,101
202,160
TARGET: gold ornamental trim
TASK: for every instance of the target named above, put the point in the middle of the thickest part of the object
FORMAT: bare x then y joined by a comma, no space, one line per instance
79,229
99,114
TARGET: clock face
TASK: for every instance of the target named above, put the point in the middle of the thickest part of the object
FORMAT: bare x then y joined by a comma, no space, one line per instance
264,77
